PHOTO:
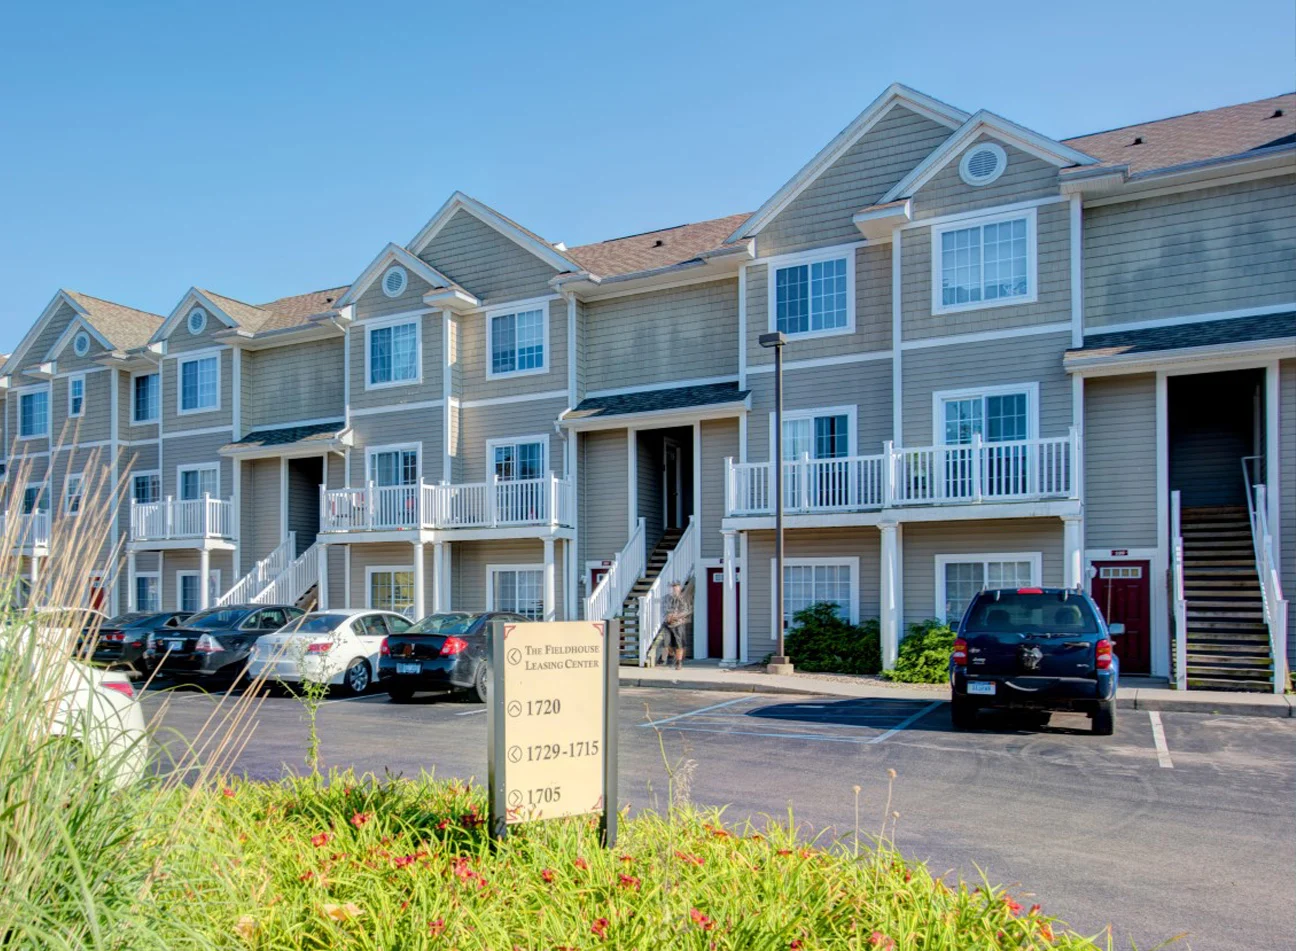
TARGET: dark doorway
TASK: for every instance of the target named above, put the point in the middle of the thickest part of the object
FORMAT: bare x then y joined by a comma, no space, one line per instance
305,476
1215,420
1123,592
664,481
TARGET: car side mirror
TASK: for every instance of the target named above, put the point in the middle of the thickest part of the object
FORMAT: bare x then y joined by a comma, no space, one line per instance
1116,630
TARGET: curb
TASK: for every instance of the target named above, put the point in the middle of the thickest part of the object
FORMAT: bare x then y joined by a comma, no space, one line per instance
1224,708
722,687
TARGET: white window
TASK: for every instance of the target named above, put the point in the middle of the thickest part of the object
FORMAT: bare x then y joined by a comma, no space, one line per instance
76,395
146,398
827,433
960,577
514,460
518,340
813,294
985,264
391,588
148,596
199,384
197,481
518,589
392,354
146,487
995,413
35,499
393,465
188,593
808,581
72,495
33,414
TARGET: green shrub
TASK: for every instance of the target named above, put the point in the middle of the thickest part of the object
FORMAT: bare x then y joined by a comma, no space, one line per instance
821,640
924,654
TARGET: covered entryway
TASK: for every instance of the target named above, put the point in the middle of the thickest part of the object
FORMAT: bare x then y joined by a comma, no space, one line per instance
664,480
1215,421
305,476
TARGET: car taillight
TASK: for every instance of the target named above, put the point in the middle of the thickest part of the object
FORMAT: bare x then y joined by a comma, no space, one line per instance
1104,657
208,645
1030,590
125,689
115,637
384,649
319,647
960,653
452,646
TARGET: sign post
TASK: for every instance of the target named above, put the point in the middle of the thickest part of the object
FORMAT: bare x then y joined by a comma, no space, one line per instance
552,723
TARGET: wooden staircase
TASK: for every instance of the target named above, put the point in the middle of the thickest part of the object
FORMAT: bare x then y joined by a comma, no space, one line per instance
629,613
1228,642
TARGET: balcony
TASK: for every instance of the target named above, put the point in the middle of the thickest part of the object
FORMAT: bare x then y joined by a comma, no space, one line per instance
526,503
26,531
174,522
978,473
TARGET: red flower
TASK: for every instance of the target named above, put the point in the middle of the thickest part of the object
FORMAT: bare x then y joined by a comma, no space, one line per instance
547,874
305,876
684,857
360,818
443,824
784,851
627,858
878,940
1034,909
320,840
582,864
1014,908
461,869
436,927
404,905
401,861
628,881
600,928
795,945
701,920
1046,932
229,793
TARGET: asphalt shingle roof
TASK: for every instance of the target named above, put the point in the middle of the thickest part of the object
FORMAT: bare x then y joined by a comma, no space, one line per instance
1206,334
125,327
655,249
266,438
657,401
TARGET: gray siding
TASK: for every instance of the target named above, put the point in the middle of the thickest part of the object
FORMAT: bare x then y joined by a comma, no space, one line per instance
680,334
1215,249
188,560
374,302
95,423
866,386
221,416
428,389
46,339
195,450
1026,177
389,555
649,459
604,496
485,262
303,381
260,522
719,441
472,359
478,424
1120,452
421,426
471,560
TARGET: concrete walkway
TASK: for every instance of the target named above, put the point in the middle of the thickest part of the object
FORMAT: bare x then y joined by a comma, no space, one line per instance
1133,697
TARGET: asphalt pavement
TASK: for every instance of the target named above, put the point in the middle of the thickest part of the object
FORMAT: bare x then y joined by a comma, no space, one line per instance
1180,823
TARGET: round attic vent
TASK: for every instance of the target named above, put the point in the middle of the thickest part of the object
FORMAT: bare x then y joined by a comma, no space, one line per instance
196,321
81,344
395,281
982,164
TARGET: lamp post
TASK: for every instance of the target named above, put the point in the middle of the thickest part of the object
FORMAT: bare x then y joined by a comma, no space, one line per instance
779,663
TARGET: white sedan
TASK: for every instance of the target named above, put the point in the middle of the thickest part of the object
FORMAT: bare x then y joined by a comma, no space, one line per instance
339,647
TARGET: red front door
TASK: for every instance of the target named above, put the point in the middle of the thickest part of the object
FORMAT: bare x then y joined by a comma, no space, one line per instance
1123,592
715,611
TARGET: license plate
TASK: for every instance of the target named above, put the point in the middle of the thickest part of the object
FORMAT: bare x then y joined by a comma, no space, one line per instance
986,688
175,645
409,668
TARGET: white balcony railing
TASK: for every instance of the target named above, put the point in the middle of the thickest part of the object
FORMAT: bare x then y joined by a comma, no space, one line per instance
263,573
1274,605
679,568
979,472
26,530
610,593
494,504
178,519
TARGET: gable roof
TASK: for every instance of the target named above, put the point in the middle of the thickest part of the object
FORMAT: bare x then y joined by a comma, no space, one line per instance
1195,137
394,253
895,94
509,228
650,250
116,326
301,307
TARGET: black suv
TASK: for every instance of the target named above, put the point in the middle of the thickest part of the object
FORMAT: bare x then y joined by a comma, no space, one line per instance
1036,649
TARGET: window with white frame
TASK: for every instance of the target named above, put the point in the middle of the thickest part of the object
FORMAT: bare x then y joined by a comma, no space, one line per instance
960,577
148,594
518,589
33,414
819,434
517,341
391,589
516,460
200,384
394,465
76,395
35,499
146,398
392,354
146,487
1003,417
986,263
188,594
72,495
198,481
809,581
813,295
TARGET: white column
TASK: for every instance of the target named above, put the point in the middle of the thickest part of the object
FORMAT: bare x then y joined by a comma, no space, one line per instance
550,592
447,573
730,598
438,578
33,564
204,576
130,582
1072,552
419,600
890,594
569,580
322,601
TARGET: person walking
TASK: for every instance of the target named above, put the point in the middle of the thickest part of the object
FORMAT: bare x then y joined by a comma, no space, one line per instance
679,610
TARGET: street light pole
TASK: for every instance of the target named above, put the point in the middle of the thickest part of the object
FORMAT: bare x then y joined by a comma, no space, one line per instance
780,663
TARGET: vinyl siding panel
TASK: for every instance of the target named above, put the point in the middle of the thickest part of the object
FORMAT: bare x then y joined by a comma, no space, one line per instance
478,424
471,560
1025,178
821,214
187,560
923,541
604,496
45,340
472,358
1033,359
1120,451
685,333
95,422
649,459
29,447
866,386
719,441
260,500
69,362
427,389
195,450
388,555
421,426
181,340
172,421
485,262
125,402
284,384
1197,252
374,302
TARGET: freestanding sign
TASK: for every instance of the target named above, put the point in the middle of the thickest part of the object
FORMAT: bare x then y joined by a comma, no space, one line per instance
552,723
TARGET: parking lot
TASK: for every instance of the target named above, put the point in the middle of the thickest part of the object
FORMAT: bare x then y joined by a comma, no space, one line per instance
1179,823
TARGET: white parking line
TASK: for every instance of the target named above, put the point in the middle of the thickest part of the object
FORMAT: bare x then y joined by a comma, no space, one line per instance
471,713
907,721
693,713
1158,737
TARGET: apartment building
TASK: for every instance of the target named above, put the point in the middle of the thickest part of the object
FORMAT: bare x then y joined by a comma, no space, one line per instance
1010,360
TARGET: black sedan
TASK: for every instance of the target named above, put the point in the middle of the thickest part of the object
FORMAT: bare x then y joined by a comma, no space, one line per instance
124,639
442,652
218,640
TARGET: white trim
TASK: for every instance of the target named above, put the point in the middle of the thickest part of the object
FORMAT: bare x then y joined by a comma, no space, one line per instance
392,252
19,354
1274,450
134,421
63,374
982,212
519,398
513,309
76,378
197,352
1158,601
1001,163
493,219
940,397
1035,558
1181,360
371,451
371,570
448,408
77,325
156,575
31,390
396,407
1077,271
665,385
632,479
83,444
193,297
140,473
981,336
197,467
774,264
288,424
1191,319
208,431
491,444
791,365
1275,161
385,323
571,350
395,270
201,314
198,357
851,561
492,570
1161,645
850,411
938,307
212,573
897,338
68,478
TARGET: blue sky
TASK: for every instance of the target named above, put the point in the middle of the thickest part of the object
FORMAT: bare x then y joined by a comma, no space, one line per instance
273,148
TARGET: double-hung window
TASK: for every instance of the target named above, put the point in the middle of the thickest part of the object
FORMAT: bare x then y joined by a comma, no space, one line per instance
813,296
517,461
391,589
820,436
393,355
394,471
810,581
1003,418
148,597
72,495
518,589
960,577
517,341
146,487
988,263
200,384
76,395
146,398
35,499
189,592
199,481
33,414
396,466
